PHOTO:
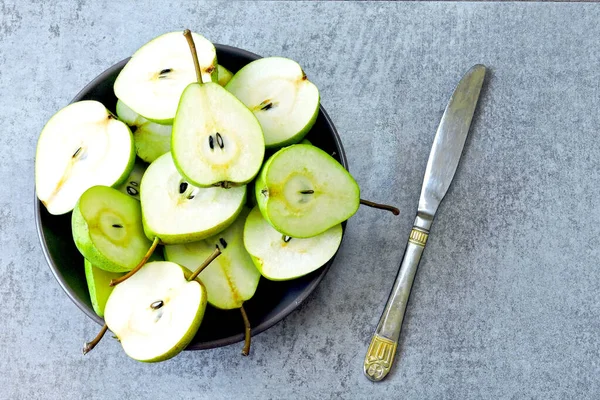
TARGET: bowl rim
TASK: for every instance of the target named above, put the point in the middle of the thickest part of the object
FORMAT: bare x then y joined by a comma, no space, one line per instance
263,326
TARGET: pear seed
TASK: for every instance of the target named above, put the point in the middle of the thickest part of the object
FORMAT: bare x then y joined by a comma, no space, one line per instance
133,183
157,304
117,226
183,187
165,71
223,243
307,191
211,142
220,140
77,152
132,191
267,106
286,238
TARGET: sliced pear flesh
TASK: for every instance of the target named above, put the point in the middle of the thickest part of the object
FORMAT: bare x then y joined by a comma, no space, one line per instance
224,75
302,191
277,91
98,281
151,140
281,258
81,146
151,82
230,279
156,312
107,229
178,212
216,140
131,185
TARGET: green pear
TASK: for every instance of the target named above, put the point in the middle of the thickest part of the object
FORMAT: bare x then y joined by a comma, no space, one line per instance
156,313
81,146
279,257
131,185
175,211
277,91
107,229
232,278
151,140
302,191
224,75
98,281
152,82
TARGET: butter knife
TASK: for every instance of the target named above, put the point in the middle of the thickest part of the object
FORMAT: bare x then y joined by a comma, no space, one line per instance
441,167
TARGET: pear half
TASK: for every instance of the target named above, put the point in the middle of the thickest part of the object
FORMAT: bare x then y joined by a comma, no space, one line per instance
175,211
281,258
151,140
131,185
151,82
156,312
277,91
216,140
81,146
302,191
107,229
232,277
98,281
224,75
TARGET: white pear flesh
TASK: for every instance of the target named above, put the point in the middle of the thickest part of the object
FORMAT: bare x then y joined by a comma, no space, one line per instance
193,214
280,260
81,146
215,139
152,81
156,334
277,91
232,277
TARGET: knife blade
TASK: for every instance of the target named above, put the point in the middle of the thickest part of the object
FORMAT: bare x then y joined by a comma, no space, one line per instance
441,167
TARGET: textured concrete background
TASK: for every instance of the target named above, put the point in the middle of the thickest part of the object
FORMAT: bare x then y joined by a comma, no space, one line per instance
506,303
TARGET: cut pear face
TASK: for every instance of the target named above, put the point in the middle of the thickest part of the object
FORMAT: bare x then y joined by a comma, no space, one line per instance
99,287
232,277
303,191
216,140
224,75
152,81
151,140
156,312
107,229
178,212
277,91
280,258
81,146
131,186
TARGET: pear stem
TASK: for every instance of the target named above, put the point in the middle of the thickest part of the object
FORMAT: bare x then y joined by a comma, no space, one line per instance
247,332
392,209
205,264
89,346
190,40
116,281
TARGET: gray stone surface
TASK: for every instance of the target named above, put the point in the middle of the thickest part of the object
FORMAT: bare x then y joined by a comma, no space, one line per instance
506,303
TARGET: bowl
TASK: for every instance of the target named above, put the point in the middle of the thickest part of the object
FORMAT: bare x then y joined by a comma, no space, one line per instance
272,302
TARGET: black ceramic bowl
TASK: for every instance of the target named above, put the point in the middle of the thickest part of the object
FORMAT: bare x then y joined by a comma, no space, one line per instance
272,301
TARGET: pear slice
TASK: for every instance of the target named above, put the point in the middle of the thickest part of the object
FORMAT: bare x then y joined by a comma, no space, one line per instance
279,257
175,211
151,82
98,281
151,140
107,229
224,75
230,279
303,191
216,140
156,312
131,185
277,91
81,146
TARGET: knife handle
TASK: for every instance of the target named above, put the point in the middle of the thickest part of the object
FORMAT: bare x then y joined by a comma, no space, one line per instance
382,349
